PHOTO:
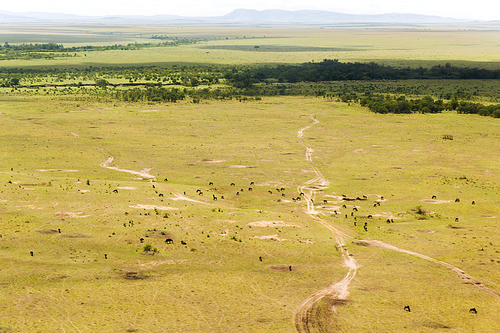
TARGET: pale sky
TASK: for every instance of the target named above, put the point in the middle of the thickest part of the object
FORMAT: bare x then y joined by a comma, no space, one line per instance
466,9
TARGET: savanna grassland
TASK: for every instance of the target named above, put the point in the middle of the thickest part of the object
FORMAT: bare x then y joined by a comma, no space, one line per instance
208,205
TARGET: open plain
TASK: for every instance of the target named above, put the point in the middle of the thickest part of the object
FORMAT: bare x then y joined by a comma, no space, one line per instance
272,214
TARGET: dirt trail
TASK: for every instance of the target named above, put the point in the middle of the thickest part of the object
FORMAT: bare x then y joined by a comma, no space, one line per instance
337,291
143,173
467,278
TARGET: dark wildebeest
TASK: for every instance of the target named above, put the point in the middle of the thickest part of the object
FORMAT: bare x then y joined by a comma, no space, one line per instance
457,200
232,184
369,216
214,197
142,239
252,183
355,209
241,190
473,202
200,193
169,241
222,197
407,308
290,268
249,188
59,230
473,310
154,186
433,197
270,192
210,183
282,194
237,193
366,228
115,191
456,219
260,258
282,189
302,193
325,201
344,206
105,256
183,243
388,221
160,195
31,253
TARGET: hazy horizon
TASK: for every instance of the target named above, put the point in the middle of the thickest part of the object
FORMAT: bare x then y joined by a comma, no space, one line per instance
482,9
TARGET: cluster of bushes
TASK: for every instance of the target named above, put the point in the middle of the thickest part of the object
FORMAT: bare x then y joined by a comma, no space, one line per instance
390,104
150,94
333,70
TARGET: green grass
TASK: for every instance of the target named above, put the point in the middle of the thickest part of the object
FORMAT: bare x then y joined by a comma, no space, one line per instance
215,282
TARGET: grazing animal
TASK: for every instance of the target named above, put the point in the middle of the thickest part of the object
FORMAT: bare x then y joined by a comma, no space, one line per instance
115,191
325,201
473,202
344,206
473,310
388,221
294,199
407,308
249,188
169,241
105,256
260,258
222,197
237,193
198,190
302,193
277,190
59,230
241,190
166,179
365,197
210,183
160,195
214,197
457,200
200,193
184,192
433,197
369,216
232,184
142,240
31,253
355,209
252,183
366,228
392,221
282,189
270,192
183,243
354,223
456,219
154,186
282,194
290,268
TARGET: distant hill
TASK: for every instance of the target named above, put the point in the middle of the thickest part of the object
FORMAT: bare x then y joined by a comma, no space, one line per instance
243,16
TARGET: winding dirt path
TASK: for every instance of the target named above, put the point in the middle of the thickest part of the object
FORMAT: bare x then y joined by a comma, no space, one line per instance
467,278
144,173
337,291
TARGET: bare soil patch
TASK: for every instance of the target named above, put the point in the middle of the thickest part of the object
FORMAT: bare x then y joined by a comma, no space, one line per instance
70,214
135,276
282,268
264,224
126,188
159,234
454,227
47,231
435,202
139,206
427,231
271,237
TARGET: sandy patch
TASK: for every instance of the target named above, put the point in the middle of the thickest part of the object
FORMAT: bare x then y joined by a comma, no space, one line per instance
70,214
2,200
282,268
126,188
271,224
271,237
29,207
213,161
488,216
182,197
153,207
385,215
435,202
